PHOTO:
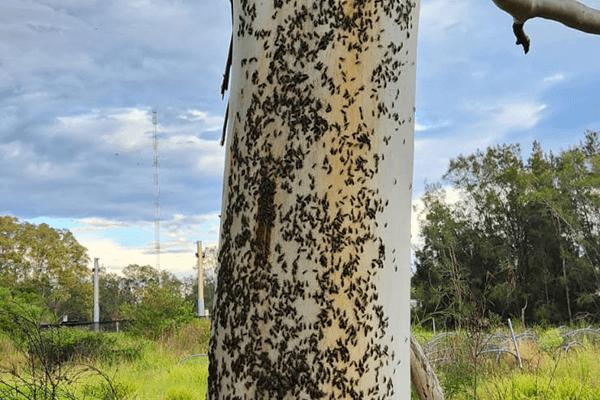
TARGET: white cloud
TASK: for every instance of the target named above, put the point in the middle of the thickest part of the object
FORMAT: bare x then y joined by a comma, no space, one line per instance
115,257
420,127
452,196
14,151
507,115
101,224
46,170
177,142
491,123
120,129
554,78
26,164
185,229
121,243
416,210
158,9
437,17
134,131
211,164
518,115
211,122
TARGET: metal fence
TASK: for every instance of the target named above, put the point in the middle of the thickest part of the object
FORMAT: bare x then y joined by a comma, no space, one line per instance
104,326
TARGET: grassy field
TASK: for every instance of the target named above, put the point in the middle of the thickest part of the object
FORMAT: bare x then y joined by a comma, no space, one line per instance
169,369
557,364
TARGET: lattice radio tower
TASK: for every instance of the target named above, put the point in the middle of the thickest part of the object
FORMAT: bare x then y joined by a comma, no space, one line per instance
156,193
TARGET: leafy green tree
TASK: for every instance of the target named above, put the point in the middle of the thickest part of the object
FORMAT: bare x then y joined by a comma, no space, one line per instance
48,262
117,291
158,311
27,305
114,293
137,277
522,240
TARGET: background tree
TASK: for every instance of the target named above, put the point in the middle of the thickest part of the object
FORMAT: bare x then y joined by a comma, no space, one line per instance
158,311
523,238
128,290
46,261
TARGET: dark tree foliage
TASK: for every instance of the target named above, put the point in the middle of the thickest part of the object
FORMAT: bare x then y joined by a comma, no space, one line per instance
522,241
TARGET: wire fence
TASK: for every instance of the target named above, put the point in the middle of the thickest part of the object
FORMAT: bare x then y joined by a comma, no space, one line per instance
104,326
446,346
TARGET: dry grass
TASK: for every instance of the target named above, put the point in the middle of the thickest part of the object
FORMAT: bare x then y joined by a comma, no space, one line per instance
187,340
549,372
12,360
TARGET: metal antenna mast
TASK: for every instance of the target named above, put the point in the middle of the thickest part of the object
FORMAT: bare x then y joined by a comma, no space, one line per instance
156,193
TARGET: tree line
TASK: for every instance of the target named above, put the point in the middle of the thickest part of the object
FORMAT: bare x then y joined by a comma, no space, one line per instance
521,241
48,270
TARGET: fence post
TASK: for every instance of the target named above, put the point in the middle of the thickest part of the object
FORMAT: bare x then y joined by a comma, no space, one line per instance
96,297
512,332
200,281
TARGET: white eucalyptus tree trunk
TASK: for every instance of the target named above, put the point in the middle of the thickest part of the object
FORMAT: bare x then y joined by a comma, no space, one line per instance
312,299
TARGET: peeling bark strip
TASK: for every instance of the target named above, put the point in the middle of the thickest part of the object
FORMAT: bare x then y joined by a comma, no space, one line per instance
314,276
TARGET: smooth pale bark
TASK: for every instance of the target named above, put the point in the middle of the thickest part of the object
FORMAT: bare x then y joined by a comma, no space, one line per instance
422,374
312,300
568,12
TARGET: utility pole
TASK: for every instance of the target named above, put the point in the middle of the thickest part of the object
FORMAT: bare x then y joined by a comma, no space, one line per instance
96,296
156,192
200,280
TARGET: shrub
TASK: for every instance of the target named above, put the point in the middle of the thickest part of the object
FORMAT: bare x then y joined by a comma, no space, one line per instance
550,341
158,312
68,344
61,345
53,367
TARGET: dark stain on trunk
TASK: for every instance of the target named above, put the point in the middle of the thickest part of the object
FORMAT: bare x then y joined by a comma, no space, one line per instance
264,217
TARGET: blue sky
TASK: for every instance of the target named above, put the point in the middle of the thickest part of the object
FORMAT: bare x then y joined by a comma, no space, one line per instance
78,81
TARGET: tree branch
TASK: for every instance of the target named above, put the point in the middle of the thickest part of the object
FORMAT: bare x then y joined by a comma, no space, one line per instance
422,374
568,12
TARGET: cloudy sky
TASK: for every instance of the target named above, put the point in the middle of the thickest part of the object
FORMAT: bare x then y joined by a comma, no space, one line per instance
79,80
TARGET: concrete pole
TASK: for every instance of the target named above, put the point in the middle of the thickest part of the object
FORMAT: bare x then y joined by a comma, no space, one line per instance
200,281
96,296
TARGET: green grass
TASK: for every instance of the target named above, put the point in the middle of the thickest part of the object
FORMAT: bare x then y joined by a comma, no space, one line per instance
571,375
163,378
154,371
157,372
161,374
549,372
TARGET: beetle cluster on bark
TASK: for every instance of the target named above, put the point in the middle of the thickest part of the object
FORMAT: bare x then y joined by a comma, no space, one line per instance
312,300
